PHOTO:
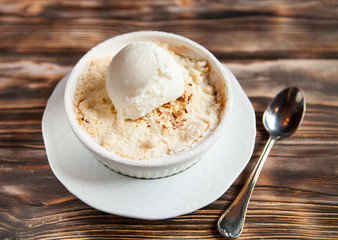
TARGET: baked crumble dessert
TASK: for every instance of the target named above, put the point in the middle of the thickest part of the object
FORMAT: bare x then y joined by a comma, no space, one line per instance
169,129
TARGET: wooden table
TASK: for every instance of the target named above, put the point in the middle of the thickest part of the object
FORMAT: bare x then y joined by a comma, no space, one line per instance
268,45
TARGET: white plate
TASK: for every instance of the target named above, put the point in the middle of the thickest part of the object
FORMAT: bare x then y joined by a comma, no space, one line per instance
163,198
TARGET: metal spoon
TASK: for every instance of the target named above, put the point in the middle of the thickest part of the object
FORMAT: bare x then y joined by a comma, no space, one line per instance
281,119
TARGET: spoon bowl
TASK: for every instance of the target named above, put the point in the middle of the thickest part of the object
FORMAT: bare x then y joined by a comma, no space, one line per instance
285,113
281,119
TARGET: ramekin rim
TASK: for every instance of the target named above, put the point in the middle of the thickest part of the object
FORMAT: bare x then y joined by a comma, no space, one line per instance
197,149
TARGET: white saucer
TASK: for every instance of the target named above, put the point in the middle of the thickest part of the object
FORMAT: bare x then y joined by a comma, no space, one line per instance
163,198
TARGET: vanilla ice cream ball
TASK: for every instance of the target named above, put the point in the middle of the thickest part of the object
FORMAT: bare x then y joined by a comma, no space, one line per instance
142,77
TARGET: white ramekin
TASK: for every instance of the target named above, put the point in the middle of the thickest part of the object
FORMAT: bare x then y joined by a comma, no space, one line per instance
151,168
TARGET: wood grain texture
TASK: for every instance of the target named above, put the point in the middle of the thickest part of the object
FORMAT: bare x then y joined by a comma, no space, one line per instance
268,45
240,29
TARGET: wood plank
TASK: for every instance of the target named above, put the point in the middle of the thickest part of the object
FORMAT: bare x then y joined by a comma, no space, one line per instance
272,218
162,10
266,78
240,30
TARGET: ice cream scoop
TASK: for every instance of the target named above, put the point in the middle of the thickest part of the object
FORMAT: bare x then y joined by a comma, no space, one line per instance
142,77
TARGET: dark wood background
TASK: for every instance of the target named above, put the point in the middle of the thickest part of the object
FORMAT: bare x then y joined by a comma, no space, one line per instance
267,44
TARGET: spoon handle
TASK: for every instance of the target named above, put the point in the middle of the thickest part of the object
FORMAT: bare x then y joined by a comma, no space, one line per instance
231,223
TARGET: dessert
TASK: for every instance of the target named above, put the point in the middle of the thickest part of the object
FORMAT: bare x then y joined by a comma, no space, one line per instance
169,128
